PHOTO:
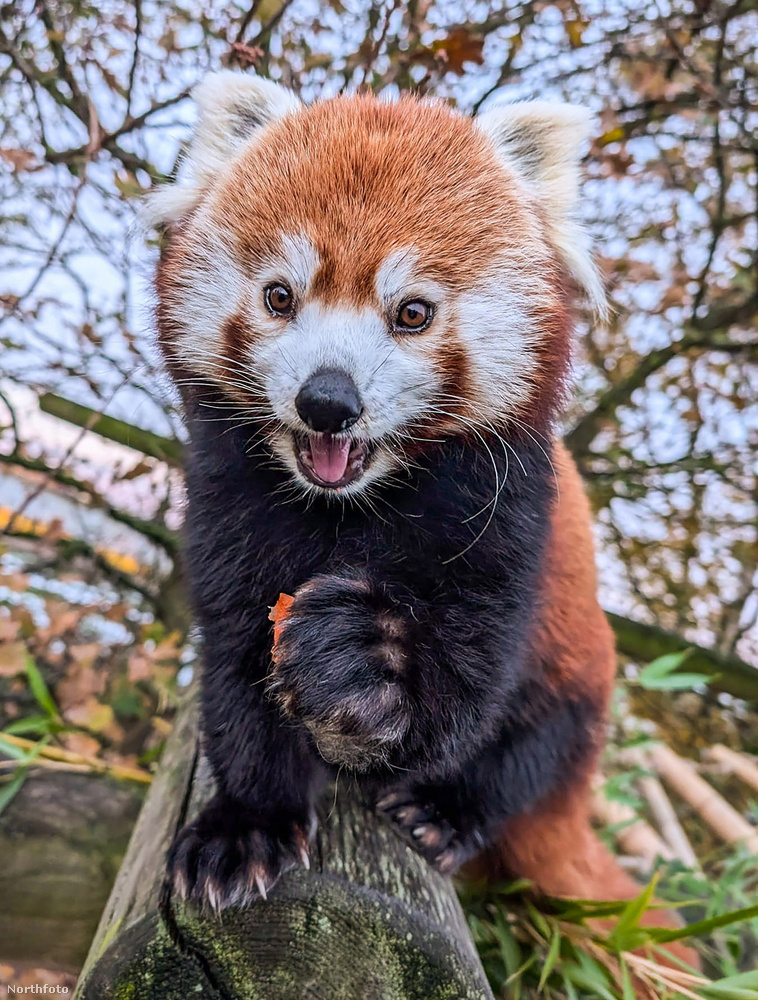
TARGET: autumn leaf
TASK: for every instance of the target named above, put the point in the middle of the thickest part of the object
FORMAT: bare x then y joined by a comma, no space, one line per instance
91,715
78,685
128,185
142,468
80,743
12,659
19,159
246,55
459,47
139,668
8,629
575,28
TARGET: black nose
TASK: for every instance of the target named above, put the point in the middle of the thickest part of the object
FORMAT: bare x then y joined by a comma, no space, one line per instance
329,401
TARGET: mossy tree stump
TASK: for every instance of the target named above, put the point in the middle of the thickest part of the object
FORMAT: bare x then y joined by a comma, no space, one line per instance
369,920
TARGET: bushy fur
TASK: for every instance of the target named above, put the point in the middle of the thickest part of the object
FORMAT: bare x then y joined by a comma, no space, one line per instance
445,640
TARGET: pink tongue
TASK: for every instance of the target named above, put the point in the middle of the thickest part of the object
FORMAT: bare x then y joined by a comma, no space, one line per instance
329,457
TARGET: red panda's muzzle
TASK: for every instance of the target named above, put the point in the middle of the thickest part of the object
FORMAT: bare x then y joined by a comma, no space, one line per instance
329,404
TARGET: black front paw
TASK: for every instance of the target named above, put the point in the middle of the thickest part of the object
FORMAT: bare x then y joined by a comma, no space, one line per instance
227,859
444,840
340,664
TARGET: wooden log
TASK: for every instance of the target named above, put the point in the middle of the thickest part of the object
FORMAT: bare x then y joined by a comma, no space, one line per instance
369,920
62,839
633,835
662,810
735,763
722,818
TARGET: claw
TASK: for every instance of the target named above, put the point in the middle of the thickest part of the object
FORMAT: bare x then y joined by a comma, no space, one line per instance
181,886
213,897
389,801
445,863
261,885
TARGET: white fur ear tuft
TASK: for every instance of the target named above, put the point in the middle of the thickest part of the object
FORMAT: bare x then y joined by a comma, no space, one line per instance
542,142
231,107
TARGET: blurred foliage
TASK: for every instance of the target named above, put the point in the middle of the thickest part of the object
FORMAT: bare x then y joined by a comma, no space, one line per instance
582,949
82,663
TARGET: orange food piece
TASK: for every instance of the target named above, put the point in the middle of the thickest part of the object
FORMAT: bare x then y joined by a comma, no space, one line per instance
278,615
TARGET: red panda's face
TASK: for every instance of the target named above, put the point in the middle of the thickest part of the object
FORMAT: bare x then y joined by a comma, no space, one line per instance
366,278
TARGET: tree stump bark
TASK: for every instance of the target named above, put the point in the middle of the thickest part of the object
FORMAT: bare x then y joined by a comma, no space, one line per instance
62,838
369,921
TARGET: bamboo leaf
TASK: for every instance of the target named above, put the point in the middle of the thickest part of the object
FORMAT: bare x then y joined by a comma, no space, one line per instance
662,666
39,724
14,752
9,791
675,682
626,982
661,935
743,986
40,689
551,959
626,935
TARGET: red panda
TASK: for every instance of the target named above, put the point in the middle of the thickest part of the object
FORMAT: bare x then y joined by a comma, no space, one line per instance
367,308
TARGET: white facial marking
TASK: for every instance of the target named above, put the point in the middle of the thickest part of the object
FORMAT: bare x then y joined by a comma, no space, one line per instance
399,377
496,329
395,381
212,287
296,264
400,278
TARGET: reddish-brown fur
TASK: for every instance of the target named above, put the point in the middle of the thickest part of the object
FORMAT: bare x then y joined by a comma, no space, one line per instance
338,172
361,178
554,846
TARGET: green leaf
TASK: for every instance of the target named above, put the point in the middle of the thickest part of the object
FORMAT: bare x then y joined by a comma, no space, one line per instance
588,976
676,682
514,888
662,674
40,724
539,921
514,980
8,792
509,947
586,909
570,989
626,935
743,986
626,982
664,665
550,959
11,750
39,689
661,935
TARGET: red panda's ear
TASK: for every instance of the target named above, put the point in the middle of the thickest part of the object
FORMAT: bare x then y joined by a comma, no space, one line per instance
542,142
231,108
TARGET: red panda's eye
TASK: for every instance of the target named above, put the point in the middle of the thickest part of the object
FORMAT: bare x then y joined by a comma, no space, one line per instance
413,316
279,300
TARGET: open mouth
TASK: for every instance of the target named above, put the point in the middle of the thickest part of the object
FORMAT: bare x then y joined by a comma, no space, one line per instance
331,462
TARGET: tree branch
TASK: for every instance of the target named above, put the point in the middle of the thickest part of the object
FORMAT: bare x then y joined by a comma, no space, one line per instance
167,450
647,642
717,320
156,532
